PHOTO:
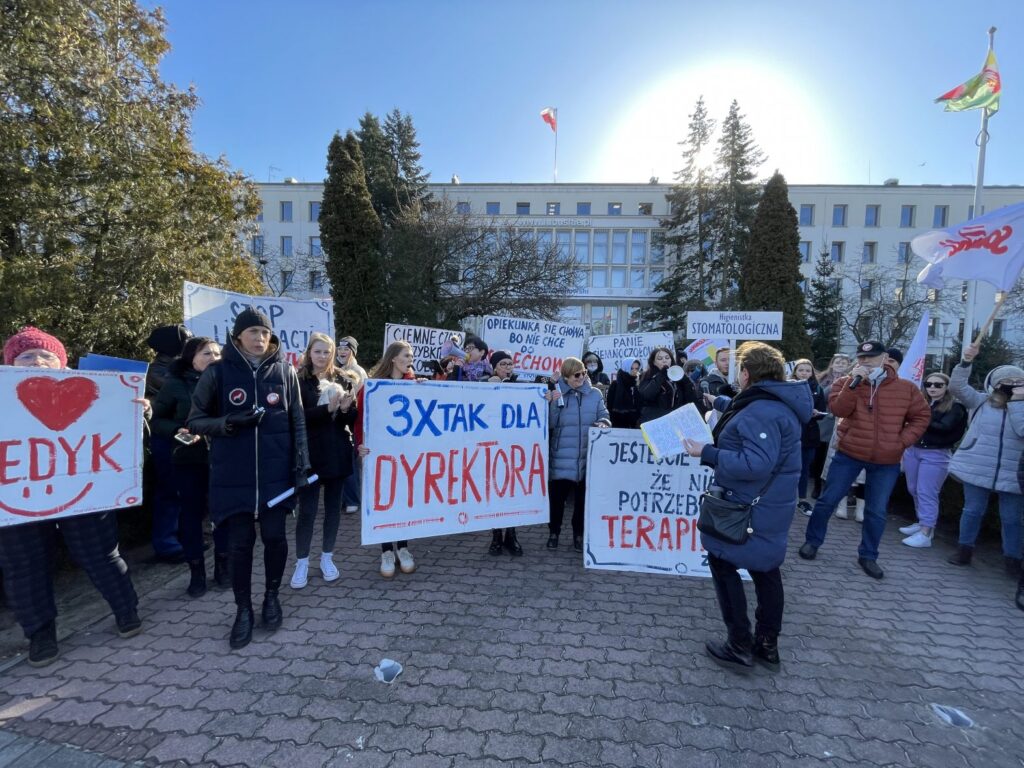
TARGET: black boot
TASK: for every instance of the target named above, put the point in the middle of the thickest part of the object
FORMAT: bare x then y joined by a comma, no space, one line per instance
512,543
1012,566
577,543
496,542
963,555
730,655
42,646
552,541
241,630
271,613
197,584
221,572
766,651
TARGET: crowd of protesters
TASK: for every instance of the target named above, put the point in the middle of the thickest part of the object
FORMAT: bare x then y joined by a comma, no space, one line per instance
232,429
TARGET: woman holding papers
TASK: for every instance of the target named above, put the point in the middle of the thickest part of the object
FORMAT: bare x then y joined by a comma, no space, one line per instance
658,393
756,458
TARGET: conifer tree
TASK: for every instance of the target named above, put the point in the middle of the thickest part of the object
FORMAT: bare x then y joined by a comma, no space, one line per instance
391,158
350,234
770,279
824,304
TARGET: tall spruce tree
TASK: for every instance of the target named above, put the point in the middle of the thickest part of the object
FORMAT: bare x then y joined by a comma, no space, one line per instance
350,234
391,158
771,277
690,230
824,305
738,159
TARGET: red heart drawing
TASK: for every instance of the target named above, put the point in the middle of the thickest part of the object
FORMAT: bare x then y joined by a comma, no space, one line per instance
58,403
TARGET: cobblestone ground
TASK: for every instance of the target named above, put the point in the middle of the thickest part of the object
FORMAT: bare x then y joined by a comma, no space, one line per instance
534,661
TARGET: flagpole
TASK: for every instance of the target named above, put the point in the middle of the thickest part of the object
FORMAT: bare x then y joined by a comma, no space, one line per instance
979,188
555,174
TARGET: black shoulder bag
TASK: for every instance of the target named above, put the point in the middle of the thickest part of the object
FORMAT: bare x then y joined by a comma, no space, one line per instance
728,521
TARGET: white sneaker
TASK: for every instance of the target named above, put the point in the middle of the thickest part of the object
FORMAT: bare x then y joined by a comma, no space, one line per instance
387,564
405,561
301,576
919,539
910,530
351,509
327,567
805,506
841,512
858,513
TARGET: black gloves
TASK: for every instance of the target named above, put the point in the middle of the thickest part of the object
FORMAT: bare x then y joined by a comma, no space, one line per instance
241,419
301,481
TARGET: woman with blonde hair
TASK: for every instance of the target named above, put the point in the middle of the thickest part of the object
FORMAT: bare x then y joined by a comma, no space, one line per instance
327,402
345,355
803,370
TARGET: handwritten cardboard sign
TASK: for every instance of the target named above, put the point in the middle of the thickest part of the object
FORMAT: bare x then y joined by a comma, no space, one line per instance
613,349
70,443
452,457
537,346
641,512
426,342
212,312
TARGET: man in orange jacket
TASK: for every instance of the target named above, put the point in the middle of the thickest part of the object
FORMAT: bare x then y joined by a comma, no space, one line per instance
882,415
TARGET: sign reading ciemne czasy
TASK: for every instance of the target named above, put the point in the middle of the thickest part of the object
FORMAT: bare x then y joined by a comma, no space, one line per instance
734,325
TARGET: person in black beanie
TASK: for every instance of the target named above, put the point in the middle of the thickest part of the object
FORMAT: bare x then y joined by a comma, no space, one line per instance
250,407
503,366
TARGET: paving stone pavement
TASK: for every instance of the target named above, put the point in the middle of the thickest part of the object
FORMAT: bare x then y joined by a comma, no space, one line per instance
535,661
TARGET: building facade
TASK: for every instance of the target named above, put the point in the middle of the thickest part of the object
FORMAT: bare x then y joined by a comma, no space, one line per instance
611,230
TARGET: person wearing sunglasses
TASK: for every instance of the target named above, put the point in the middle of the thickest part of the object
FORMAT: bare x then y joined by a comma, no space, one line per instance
926,463
575,406
989,457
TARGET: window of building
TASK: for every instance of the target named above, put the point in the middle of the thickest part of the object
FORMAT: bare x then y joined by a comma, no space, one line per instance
903,253
657,249
287,275
462,207
970,212
872,216
553,209
637,321
314,210
582,246
805,251
907,216
963,296
933,295
314,247
316,280
838,246
582,209
836,284
603,319
286,246
806,215
638,246
257,245
940,218
286,210
259,216
614,209
636,279
869,253
838,215
543,240
580,281
600,246
933,324
522,209
998,328
619,246
866,288
864,326
803,285
645,209
599,278
493,209
563,238
618,277
655,278
571,313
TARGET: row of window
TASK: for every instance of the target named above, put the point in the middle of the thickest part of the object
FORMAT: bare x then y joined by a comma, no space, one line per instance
555,209
285,211
873,215
606,318
287,249
317,283
868,252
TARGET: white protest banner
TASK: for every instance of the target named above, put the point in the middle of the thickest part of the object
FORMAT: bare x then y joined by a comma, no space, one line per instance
641,513
614,348
734,325
211,312
452,457
537,346
705,350
70,443
426,342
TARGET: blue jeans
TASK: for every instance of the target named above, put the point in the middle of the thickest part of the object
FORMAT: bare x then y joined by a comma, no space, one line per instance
880,480
807,453
1011,507
351,488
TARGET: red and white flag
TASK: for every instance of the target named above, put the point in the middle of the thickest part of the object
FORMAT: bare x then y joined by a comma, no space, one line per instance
550,116
989,248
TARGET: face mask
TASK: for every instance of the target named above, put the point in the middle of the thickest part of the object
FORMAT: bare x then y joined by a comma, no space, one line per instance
876,374
592,367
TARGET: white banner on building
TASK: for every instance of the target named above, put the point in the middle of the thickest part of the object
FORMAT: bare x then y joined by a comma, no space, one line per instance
70,443
452,457
641,513
426,342
212,311
734,325
614,348
537,346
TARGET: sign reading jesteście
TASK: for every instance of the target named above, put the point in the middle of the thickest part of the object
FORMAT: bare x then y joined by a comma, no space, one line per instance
734,325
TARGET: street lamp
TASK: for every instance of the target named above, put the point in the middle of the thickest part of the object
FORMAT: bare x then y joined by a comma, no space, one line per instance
945,332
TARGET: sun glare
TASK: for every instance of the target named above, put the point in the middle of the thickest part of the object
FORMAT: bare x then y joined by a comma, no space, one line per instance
785,123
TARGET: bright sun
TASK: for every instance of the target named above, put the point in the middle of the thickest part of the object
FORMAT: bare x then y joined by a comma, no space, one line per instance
784,120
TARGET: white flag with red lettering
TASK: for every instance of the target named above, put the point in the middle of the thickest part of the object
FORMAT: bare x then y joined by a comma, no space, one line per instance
912,367
989,248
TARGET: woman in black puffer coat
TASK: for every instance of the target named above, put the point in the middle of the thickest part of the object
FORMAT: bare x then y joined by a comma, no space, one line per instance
624,398
660,395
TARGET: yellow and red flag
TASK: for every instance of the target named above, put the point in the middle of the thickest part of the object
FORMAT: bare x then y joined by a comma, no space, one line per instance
980,92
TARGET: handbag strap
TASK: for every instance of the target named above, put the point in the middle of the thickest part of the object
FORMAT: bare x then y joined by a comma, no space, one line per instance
771,479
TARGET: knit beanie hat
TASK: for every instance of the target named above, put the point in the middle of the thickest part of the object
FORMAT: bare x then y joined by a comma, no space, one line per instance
169,339
250,317
1001,372
30,337
498,355
351,342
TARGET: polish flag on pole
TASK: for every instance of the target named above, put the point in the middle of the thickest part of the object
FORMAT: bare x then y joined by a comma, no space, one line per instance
912,367
550,116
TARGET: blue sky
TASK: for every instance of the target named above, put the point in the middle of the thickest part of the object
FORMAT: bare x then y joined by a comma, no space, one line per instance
836,92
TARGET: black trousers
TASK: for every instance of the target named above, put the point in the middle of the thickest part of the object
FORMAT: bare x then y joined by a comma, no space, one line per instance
241,530
559,492
732,600
26,558
194,489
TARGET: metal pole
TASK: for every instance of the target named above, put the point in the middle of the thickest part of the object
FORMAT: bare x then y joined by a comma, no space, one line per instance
555,175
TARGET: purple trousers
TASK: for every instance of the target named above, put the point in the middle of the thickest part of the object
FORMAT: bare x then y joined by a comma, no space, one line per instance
926,470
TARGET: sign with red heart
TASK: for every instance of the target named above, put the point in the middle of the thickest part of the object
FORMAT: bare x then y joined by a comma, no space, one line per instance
70,443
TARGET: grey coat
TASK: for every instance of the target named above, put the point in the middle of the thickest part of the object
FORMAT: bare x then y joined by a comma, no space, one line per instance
570,429
990,453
